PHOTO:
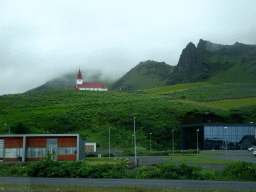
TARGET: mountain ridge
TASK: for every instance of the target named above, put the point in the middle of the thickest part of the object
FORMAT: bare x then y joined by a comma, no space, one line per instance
205,61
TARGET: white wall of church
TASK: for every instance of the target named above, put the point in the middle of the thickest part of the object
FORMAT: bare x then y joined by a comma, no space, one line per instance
92,89
79,81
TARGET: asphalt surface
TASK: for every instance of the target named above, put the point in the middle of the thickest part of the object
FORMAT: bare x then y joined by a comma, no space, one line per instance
238,155
150,160
148,183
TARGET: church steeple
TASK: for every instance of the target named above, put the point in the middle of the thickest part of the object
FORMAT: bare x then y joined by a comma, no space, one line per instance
79,76
79,79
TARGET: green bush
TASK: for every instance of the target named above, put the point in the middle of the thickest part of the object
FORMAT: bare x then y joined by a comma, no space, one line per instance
91,154
240,171
98,171
118,170
50,168
180,171
11,169
147,173
43,168
107,155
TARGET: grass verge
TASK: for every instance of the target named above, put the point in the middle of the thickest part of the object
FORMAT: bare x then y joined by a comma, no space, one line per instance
94,161
201,154
13,187
199,160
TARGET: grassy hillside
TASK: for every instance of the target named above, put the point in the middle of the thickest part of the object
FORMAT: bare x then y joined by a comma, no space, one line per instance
68,81
220,96
145,75
92,113
224,104
175,88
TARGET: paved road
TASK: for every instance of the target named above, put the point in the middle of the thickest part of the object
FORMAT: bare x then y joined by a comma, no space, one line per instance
174,184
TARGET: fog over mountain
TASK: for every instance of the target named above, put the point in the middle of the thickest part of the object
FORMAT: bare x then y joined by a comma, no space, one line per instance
42,40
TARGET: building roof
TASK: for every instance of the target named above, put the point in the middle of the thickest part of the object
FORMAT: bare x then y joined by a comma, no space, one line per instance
219,124
38,135
79,76
91,85
251,138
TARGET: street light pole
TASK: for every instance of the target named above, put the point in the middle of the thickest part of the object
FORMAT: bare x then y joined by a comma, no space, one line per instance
172,142
225,141
197,140
109,143
150,141
135,162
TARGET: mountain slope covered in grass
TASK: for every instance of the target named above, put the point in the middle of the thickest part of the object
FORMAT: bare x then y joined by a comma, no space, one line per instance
215,63
206,62
145,75
68,81
92,113
220,96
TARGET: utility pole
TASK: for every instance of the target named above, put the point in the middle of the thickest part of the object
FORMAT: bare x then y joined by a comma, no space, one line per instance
172,142
197,141
135,162
150,141
109,143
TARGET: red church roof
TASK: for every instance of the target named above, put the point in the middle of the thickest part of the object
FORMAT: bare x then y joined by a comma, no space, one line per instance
79,76
91,85
95,85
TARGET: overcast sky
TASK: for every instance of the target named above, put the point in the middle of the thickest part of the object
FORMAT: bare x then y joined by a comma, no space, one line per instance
42,39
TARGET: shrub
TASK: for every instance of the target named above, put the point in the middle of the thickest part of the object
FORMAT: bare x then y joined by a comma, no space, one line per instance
181,171
42,168
20,128
147,173
118,170
240,171
91,154
168,170
107,155
98,171
11,169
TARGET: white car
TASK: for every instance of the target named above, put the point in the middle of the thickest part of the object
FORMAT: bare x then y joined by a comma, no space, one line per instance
254,153
253,148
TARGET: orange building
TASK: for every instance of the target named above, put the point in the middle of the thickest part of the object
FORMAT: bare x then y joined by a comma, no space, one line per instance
32,147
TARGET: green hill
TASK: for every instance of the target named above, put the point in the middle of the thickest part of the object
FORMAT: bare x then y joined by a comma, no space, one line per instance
206,62
68,81
145,75
215,63
220,96
92,113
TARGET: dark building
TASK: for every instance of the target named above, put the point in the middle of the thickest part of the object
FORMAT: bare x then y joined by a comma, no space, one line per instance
247,141
215,135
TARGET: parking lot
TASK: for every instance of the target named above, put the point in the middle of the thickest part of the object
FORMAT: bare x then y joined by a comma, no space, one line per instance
234,155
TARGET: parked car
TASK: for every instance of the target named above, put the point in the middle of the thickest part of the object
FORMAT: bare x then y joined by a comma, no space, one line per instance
254,152
253,148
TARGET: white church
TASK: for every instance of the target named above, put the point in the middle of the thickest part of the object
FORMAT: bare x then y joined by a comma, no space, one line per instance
89,86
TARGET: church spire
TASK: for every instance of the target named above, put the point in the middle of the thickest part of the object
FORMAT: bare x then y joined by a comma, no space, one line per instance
79,79
79,76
